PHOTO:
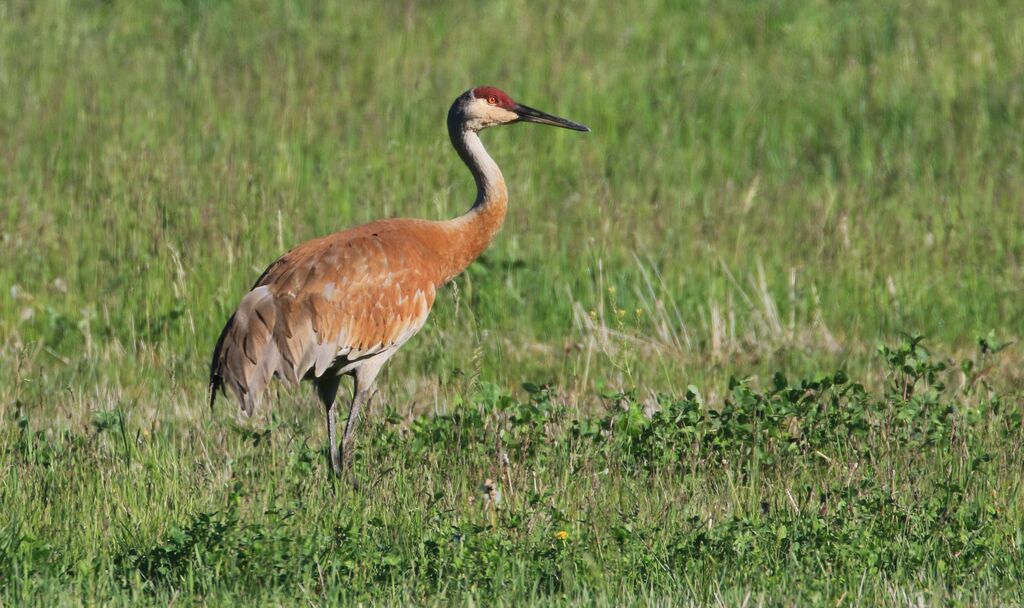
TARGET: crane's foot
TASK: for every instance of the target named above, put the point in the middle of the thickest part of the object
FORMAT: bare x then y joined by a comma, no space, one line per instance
342,470
336,463
349,477
348,473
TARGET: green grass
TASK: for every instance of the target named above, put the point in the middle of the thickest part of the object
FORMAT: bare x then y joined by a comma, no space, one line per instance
769,187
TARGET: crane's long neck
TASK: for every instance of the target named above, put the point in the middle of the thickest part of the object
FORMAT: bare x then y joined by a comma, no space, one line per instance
476,228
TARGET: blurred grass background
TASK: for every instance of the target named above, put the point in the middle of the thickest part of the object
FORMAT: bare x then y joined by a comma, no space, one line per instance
796,181
768,186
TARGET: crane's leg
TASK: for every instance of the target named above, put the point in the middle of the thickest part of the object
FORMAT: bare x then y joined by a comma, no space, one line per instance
360,397
364,377
327,389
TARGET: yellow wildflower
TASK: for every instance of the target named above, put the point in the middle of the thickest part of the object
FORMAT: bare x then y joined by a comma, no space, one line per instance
562,535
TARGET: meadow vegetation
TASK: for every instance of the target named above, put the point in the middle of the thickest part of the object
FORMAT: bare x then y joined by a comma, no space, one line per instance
751,341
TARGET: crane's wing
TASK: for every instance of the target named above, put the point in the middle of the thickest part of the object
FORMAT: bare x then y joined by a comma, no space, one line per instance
326,305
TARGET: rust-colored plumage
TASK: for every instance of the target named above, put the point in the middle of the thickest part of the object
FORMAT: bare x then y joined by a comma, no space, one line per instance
344,303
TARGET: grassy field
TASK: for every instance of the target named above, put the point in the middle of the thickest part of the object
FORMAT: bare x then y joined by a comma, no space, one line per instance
663,383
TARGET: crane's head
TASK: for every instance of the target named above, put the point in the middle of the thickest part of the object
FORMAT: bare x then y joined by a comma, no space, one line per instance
483,107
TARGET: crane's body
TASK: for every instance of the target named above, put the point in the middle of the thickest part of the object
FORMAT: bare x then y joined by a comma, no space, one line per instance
343,304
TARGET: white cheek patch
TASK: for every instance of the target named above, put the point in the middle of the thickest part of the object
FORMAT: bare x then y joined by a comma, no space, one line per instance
500,116
483,115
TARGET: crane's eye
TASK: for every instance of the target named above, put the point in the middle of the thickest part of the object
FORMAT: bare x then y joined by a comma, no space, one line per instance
492,100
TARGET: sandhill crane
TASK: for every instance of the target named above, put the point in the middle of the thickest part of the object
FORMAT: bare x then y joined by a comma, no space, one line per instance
343,304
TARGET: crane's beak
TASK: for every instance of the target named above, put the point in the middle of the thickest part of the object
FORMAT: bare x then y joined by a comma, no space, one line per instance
528,114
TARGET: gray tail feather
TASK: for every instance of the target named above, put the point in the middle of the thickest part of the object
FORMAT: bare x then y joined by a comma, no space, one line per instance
216,379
